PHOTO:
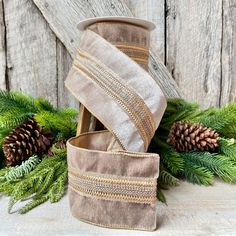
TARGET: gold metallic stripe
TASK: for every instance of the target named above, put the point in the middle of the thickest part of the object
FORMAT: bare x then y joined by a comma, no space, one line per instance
139,60
111,188
111,179
138,53
131,45
134,52
128,99
113,197
114,188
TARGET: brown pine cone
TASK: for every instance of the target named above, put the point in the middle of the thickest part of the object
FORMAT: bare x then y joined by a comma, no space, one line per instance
24,141
187,136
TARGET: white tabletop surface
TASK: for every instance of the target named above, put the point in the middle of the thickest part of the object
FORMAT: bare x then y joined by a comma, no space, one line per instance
191,210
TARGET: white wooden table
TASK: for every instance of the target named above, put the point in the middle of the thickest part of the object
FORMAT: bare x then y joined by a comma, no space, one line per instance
191,210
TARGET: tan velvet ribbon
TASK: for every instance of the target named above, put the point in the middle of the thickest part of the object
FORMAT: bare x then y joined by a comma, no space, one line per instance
109,171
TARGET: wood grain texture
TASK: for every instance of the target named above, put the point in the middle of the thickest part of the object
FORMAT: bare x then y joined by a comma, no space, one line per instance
152,10
2,48
64,15
228,85
194,36
64,62
31,50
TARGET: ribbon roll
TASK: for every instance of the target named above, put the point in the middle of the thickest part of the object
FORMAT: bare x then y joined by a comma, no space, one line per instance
110,169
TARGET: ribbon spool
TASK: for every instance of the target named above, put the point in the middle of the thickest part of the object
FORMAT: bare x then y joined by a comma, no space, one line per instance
129,35
112,179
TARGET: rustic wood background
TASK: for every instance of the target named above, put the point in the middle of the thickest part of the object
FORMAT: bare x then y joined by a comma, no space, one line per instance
195,39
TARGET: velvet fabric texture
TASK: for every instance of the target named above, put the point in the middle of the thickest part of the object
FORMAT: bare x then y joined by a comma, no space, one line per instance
83,156
112,179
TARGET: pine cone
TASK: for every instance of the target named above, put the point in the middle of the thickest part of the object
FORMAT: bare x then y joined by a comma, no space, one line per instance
24,141
186,136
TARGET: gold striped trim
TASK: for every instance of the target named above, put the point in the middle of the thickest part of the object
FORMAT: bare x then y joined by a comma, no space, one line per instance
133,105
114,188
131,45
138,53
111,179
134,52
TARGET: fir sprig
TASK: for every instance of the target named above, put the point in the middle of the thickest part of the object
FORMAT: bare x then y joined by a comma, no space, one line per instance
166,179
217,164
197,174
15,107
61,122
46,181
200,167
227,147
25,168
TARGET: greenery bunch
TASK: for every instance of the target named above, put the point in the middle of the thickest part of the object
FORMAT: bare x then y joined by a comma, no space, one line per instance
16,107
21,170
43,178
196,167
40,178
46,181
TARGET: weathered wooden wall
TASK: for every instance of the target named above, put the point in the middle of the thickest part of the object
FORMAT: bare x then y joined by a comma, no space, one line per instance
196,39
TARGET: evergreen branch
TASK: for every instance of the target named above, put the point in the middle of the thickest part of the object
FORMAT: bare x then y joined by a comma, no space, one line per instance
223,120
49,177
4,171
161,196
170,159
227,147
34,203
57,189
197,174
25,168
62,122
178,109
16,100
7,187
47,181
217,164
44,105
13,118
167,179
15,107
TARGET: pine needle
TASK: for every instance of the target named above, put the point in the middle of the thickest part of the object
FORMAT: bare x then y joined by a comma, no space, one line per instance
61,122
227,147
170,158
46,181
178,109
167,179
25,168
161,196
15,107
217,164
197,174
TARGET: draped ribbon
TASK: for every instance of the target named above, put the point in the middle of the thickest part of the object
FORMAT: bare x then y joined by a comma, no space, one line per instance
117,91
113,164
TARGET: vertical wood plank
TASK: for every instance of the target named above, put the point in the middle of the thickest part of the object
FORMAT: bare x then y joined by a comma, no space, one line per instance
31,50
194,34
2,48
64,15
64,62
152,10
228,92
